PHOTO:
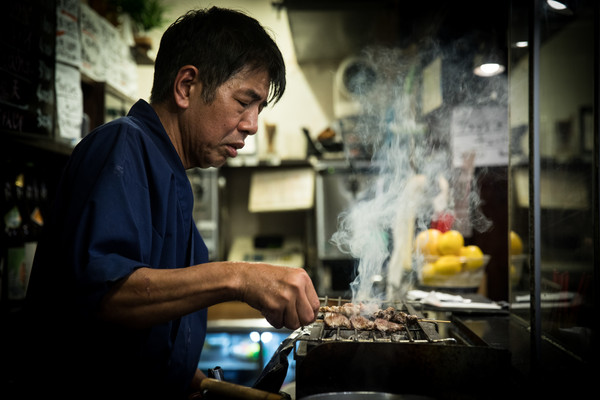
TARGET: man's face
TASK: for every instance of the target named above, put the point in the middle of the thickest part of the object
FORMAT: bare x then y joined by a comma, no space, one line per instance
213,132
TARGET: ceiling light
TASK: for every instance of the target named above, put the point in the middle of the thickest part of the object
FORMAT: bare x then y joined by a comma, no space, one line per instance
559,7
487,65
488,69
556,5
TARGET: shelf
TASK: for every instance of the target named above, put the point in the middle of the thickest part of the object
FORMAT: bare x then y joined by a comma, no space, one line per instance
46,143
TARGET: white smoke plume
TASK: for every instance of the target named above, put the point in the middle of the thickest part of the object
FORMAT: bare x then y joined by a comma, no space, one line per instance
412,182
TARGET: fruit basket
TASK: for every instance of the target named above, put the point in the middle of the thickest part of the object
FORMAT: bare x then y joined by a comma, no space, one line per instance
452,271
443,260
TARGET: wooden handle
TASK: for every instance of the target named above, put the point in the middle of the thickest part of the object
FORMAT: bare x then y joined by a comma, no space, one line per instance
233,391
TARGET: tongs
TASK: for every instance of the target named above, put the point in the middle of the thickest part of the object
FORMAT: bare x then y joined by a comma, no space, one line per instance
272,377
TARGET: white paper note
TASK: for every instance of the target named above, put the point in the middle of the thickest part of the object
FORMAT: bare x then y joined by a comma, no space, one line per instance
281,190
482,130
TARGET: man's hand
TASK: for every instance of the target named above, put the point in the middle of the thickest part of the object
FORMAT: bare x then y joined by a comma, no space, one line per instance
148,296
285,296
195,389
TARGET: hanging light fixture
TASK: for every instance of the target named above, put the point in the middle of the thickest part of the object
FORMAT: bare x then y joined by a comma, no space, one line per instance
488,64
562,7
557,5
488,61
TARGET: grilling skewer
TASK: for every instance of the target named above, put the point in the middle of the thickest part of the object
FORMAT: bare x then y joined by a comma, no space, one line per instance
433,320
349,309
365,317
348,315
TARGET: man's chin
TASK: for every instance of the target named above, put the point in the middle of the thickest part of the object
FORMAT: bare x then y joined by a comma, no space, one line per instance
218,163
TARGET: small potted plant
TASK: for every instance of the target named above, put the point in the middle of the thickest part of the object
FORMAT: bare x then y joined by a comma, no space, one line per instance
145,15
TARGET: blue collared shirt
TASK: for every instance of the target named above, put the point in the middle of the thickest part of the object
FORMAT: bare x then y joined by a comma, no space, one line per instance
124,202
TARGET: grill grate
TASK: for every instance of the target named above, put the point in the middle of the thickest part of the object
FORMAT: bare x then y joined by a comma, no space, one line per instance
414,361
420,332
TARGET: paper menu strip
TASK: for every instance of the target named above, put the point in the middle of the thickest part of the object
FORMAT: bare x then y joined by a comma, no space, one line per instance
482,130
282,190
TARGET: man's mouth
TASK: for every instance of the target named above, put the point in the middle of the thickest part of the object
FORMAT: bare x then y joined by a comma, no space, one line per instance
232,149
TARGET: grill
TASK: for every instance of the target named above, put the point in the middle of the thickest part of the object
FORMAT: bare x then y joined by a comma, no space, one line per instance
413,361
421,332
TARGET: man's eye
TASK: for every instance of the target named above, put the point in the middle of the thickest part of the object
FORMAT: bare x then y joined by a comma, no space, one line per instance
243,104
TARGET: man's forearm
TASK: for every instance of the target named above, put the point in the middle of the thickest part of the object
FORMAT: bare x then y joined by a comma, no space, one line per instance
151,296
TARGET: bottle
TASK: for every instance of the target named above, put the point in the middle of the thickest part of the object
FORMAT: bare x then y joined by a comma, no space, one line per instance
23,221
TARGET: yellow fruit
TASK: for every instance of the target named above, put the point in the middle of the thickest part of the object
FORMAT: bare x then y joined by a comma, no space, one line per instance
426,242
447,265
473,256
451,242
428,273
516,244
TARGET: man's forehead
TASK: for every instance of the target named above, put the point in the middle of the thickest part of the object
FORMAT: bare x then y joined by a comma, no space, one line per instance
252,82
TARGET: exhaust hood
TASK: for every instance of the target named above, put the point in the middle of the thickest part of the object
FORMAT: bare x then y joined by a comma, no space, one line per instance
330,30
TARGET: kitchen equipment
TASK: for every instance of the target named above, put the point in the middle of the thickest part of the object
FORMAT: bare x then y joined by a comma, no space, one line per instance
415,361
311,147
337,188
360,396
274,373
325,146
216,389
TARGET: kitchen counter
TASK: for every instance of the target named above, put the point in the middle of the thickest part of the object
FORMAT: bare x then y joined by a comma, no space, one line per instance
556,372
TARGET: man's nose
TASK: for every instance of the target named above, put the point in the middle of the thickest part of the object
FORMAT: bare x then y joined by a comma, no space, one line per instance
249,122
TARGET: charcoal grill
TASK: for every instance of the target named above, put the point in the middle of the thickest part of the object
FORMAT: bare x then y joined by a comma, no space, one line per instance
414,361
424,331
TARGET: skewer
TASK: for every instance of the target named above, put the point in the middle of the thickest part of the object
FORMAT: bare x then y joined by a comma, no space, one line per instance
322,310
433,320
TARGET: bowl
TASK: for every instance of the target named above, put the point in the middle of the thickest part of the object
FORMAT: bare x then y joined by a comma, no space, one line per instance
460,273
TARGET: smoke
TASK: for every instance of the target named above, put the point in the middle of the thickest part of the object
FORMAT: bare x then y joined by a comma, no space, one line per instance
413,182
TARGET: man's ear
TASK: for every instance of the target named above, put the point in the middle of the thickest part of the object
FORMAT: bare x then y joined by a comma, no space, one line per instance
186,79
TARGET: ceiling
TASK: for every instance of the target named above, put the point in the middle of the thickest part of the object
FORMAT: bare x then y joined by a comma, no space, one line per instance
333,29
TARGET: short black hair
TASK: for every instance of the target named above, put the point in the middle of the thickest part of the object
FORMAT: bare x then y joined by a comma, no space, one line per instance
220,43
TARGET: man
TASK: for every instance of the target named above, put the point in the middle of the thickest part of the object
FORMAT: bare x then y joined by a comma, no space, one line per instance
121,280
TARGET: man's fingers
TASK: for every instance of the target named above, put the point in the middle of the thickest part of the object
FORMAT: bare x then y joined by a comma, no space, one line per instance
313,298
274,319
291,317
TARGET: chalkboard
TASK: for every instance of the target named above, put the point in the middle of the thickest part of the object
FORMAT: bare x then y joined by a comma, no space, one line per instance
27,58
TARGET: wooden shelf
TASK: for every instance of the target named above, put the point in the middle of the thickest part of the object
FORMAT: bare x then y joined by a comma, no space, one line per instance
46,143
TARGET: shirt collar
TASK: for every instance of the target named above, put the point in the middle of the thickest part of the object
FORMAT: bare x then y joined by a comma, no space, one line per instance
145,115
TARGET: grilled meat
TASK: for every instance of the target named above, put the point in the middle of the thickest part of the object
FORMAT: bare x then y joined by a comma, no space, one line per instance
337,320
385,314
361,323
348,309
362,317
393,315
383,325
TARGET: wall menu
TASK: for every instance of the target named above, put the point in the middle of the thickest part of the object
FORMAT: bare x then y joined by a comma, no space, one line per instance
27,45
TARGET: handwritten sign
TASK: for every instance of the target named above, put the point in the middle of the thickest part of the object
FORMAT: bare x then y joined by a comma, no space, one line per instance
68,43
69,101
27,44
105,55
482,131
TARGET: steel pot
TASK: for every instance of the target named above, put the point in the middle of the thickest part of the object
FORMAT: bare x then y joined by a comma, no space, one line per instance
362,396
